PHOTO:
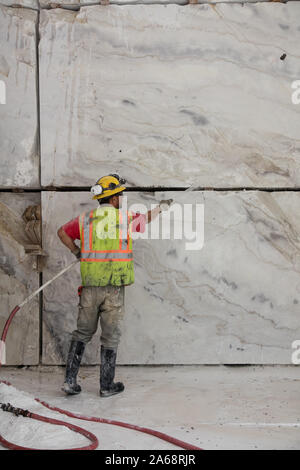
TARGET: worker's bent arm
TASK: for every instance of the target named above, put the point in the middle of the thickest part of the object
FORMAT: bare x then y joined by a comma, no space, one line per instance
66,240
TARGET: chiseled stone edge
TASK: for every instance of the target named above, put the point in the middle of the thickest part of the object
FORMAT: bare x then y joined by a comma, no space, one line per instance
76,4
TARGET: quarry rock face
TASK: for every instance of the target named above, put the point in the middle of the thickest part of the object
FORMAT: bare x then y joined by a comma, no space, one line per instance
78,3
167,96
230,299
171,95
21,3
18,280
18,116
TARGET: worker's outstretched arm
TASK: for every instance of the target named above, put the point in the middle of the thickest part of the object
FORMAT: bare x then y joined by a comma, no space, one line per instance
152,214
163,205
66,240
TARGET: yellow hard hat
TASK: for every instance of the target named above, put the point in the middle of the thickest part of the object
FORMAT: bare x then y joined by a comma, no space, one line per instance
107,186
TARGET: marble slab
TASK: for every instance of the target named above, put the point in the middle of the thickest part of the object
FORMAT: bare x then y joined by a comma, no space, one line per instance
78,3
60,299
69,3
235,301
17,281
18,117
171,95
36,4
21,3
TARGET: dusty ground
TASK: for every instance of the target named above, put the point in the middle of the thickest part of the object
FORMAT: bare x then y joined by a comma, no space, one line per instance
214,407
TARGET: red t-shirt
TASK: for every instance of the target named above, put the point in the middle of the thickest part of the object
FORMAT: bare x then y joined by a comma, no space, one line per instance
72,227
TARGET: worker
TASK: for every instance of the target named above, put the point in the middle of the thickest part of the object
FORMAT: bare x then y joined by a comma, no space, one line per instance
106,266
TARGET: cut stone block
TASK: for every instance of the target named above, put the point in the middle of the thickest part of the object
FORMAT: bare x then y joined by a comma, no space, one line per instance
233,301
171,95
21,3
18,280
61,298
78,3
18,108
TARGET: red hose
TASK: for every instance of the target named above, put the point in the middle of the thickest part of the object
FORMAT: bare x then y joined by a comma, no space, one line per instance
160,435
90,436
8,322
73,427
7,325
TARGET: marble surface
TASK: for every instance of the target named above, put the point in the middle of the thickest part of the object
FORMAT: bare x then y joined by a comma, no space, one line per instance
60,298
21,3
171,95
66,3
255,408
37,4
234,301
17,281
18,117
165,95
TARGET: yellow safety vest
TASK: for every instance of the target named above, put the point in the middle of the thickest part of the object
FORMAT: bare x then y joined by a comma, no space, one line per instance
106,247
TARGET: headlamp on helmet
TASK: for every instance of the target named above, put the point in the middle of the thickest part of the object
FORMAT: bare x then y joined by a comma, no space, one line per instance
96,190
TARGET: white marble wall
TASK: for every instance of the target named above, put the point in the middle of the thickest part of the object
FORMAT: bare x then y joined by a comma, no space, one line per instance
67,3
17,281
21,3
18,117
36,4
60,297
166,95
171,95
235,301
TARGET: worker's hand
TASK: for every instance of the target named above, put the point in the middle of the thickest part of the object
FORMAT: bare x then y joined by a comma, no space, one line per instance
165,204
77,253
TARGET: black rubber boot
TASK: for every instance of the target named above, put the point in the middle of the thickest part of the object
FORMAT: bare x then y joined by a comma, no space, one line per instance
72,366
107,373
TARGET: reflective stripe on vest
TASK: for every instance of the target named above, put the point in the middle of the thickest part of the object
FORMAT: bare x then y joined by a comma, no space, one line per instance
123,253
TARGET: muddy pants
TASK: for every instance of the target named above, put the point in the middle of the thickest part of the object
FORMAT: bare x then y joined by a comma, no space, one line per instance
106,303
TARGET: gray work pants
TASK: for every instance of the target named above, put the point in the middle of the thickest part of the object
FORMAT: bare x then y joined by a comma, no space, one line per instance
106,303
